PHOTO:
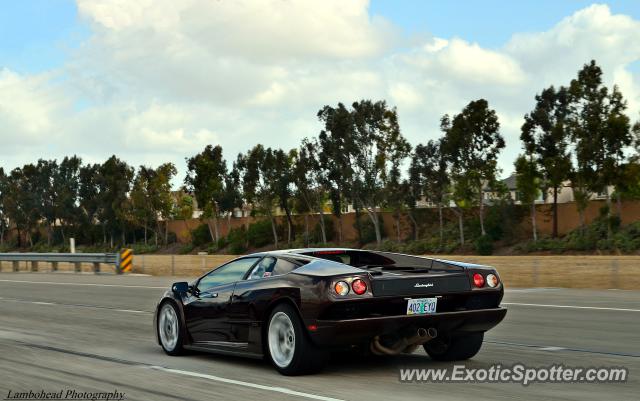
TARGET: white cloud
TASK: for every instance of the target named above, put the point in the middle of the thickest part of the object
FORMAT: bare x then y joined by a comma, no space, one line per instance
157,81
28,106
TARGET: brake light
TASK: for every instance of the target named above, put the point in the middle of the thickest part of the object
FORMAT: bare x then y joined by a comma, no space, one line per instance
478,280
341,288
359,286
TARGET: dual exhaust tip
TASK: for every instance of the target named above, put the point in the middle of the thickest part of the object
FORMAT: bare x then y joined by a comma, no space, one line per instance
406,345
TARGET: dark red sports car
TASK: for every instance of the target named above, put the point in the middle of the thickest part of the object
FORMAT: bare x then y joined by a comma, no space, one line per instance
293,306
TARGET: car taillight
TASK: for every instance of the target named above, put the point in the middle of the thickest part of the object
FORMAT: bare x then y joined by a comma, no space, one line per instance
359,286
341,288
492,280
478,280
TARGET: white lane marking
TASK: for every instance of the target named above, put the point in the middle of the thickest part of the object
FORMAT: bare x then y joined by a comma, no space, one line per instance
570,307
282,390
24,301
84,284
130,311
552,348
557,348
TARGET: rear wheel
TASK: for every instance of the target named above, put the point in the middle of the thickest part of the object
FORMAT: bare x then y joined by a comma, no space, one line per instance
169,329
454,348
290,350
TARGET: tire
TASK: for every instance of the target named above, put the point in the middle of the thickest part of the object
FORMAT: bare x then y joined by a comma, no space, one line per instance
455,348
170,330
288,346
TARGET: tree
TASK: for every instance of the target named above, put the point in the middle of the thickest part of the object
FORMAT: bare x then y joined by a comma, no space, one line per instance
412,191
4,225
67,185
472,144
528,186
257,169
141,201
308,177
182,207
601,131
23,200
378,146
206,173
282,182
46,193
336,146
88,196
232,196
545,137
397,197
431,164
114,183
161,199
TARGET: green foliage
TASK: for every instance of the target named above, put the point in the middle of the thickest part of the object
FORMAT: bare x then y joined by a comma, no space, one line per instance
484,245
237,248
237,240
206,173
186,249
502,221
259,234
544,244
592,238
200,235
315,234
172,238
471,144
139,249
368,231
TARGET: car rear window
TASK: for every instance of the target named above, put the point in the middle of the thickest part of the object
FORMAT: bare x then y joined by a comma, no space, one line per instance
353,258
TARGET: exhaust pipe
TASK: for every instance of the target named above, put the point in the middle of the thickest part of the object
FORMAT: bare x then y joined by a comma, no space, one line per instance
407,345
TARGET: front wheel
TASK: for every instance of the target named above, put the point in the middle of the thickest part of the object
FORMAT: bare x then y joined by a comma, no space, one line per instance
290,350
169,330
454,348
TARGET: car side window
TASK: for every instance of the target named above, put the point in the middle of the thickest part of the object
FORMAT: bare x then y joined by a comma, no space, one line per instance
264,266
229,273
283,266
270,266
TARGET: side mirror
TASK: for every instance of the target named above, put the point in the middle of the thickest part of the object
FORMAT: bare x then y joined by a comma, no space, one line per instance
180,287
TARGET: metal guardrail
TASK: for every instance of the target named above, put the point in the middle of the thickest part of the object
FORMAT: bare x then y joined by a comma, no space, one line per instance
55,258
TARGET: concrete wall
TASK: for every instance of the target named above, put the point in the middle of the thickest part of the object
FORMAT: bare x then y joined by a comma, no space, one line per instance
597,272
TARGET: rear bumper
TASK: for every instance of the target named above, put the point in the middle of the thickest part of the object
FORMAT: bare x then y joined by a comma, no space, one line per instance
357,331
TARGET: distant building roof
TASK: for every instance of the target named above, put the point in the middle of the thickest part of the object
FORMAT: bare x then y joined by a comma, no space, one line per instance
510,182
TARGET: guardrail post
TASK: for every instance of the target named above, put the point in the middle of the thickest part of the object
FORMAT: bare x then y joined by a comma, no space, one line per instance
77,267
96,267
54,266
34,266
16,266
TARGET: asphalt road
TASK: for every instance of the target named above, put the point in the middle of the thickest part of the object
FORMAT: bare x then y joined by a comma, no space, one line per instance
94,333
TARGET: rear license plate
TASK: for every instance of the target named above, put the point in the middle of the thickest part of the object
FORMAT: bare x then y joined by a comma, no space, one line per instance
422,306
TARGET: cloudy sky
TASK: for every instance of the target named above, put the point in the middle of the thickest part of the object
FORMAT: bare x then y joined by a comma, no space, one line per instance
157,80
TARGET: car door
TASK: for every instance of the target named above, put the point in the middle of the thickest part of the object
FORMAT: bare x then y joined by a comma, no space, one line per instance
206,309
253,293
